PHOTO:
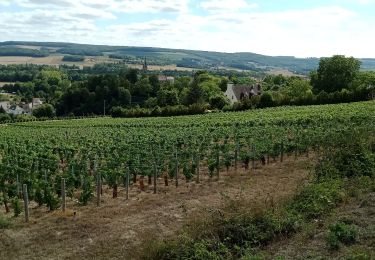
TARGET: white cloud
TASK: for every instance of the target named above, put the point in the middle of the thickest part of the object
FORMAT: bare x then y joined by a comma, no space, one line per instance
297,32
224,5
306,32
124,6
364,2
152,6
4,2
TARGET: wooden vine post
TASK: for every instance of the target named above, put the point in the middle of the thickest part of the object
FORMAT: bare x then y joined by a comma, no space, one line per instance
282,152
198,162
236,147
218,161
236,156
26,202
155,170
98,184
176,158
63,195
253,159
127,182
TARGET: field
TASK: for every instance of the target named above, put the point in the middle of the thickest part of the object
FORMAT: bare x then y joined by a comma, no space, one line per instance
56,60
50,60
131,180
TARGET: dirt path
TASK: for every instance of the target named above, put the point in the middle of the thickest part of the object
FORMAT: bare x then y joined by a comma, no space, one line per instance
118,227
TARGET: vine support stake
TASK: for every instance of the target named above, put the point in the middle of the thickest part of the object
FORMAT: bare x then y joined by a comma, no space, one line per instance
218,162
176,157
253,159
98,189
198,157
155,173
236,157
63,195
282,152
26,202
127,182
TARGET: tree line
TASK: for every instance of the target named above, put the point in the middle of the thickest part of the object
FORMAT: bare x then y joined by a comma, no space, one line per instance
121,91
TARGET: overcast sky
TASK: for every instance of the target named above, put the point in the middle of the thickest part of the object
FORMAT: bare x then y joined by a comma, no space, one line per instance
274,27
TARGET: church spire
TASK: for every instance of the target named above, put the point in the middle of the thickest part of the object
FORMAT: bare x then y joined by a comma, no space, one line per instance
145,67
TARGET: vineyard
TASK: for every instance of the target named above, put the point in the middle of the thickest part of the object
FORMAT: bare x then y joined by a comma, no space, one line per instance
73,159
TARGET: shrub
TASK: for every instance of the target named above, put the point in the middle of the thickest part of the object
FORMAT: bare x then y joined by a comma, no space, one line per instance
51,199
17,207
45,110
218,101
5,117
341,233
317,198
350,159
87,192
4,222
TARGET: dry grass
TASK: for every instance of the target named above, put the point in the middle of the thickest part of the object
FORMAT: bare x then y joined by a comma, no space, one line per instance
118,228
283,72
29,47
161,68
56,60
50,60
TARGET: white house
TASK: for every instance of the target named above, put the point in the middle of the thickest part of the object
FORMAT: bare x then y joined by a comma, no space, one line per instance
36,102
163,78
17,110
5,105
22,108
236,93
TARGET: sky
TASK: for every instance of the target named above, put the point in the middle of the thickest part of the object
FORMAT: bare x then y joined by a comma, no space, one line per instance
300,28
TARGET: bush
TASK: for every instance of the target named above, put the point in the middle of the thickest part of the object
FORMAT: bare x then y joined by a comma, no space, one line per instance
4,222
341,233
317,198
51,199
218,101
73,58
349,159
17,207
5,117
266,100
164,111
25,117
45,110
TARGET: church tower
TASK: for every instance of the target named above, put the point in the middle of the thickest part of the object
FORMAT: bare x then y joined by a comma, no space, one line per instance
145,67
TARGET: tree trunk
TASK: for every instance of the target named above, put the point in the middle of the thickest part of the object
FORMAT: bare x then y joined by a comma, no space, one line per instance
263,159
149,180
134,178
114,193
166,180
141,184
6,206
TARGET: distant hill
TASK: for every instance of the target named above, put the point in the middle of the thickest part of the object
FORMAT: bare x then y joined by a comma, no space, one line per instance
164,56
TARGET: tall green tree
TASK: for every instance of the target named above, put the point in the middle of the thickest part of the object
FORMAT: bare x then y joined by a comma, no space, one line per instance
335,73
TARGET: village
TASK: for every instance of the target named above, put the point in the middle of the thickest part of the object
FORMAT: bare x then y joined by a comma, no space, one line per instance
21,108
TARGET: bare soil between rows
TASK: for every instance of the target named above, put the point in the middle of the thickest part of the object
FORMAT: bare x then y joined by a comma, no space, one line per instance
119,228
